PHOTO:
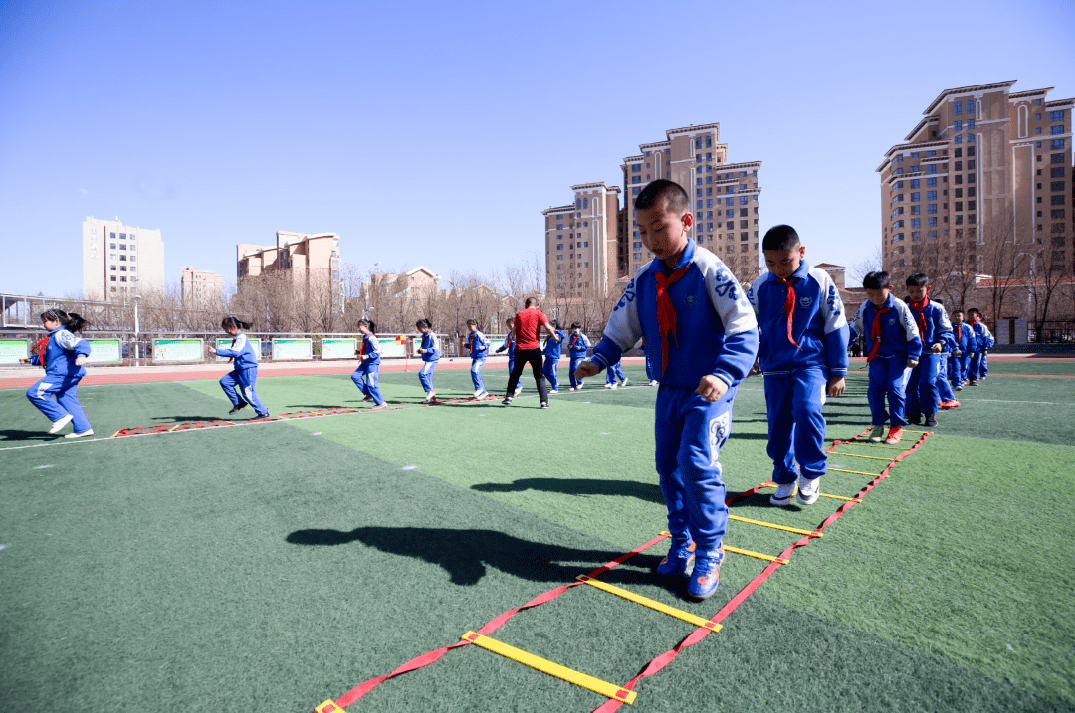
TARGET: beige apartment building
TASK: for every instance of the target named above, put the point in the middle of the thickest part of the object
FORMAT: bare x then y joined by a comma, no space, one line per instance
119,261
201,289
582,242
981,185
311,261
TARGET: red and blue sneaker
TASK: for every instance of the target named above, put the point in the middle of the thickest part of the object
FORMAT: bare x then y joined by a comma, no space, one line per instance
678,560
706,575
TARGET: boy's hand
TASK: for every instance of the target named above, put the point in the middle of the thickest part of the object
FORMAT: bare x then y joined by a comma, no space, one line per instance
24,360
755,370
957,353
836,386
936,348
80,361
711,388
586,369
912,363
210,349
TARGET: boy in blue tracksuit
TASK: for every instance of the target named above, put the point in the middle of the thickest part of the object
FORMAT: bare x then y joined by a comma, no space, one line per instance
509,346
895,346
979,366
63,356
430,351
552,349
803,355
702,339
245,373
478,346
577,347
966,345
944,388
369,366
934,328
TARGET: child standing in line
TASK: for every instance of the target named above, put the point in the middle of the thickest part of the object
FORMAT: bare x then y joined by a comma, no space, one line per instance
245,373
577,347
552,349
430,351
979,366
803,354
923,394
895,347
966,345
614,372
702,339
478,346
509,345
63,356
369,366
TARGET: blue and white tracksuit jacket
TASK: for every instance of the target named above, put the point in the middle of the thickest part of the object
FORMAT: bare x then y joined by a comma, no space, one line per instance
979,364
578,345
552,351
478,346
716,335
431,344
244,374
889,372
924,388
796,376
369,369
966,342
62,375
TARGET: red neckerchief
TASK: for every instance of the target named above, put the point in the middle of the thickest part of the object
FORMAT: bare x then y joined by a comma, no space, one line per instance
470,342
666,311
39,350
959,331
875,333
571,345
919,308
789,306
509,340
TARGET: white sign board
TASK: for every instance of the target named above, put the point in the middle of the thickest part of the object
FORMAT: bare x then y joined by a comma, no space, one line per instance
177,349
292,349
338,348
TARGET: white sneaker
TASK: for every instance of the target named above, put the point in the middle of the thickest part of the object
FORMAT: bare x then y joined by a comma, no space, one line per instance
518,391
609,386
624,382
478,393
783,494
79,435
809,490
57,426
554,391
654,382
431,396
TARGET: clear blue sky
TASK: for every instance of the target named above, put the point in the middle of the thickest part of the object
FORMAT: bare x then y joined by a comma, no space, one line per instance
434,133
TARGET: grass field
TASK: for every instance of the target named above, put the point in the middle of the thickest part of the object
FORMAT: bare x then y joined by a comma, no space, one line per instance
272,566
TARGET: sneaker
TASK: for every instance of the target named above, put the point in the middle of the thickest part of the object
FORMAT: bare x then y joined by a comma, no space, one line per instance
554,391
57,426
431,396
678,561
959,388
973,382
518,391
507,400
624,382
379,407
894,435
581,384
236,409
783,494
367,398
544,404
79,435
950,403
809,490
573,389
478,393
610,386
916,419
261,415
654,382
931,420
877,433
483,395
705,578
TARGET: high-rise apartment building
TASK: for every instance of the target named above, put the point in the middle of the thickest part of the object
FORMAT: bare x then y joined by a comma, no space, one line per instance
201,289
582,242
725,196
980,185
310,261
118,261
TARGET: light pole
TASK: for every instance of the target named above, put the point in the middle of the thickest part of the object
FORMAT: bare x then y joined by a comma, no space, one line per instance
365,290
137,299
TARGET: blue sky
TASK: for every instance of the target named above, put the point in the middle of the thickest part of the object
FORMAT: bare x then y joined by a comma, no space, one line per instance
435,133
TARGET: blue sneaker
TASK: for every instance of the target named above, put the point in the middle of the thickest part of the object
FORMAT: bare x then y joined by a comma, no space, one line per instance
677,562
706,575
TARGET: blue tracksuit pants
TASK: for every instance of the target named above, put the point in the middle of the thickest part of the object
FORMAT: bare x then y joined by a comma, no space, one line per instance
614,372
958,368
476,373
944,389
244,379
65,391
983,371
922,390
365,378
575,362
888,377
690,432
548,368
796,427
425,375
977,368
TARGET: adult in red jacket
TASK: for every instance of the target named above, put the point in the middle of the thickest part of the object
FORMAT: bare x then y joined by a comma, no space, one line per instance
527,333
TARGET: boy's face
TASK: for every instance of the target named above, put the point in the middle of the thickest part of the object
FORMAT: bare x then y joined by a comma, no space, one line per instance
663,232
472,327
878,295
918,292
784,263
957,318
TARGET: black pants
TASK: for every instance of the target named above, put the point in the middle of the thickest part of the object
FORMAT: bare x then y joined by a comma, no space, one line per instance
533,358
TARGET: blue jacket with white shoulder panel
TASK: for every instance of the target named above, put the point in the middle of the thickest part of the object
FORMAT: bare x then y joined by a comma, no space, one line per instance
60,353
899,333
242,351
477,344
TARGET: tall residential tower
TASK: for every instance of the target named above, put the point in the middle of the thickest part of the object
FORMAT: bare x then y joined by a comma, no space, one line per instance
118,261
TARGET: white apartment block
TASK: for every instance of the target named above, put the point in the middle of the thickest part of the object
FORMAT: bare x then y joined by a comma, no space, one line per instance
118,260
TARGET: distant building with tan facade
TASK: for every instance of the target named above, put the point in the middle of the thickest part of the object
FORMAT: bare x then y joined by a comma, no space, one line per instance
981,185
582,242
201,289
119,261
311,260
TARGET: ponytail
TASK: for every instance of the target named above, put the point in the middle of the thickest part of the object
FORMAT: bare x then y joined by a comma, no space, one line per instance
235,322
72,322
369,323
428,324
77,323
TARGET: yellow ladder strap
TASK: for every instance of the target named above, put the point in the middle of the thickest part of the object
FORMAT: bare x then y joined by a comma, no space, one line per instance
775,526
751,553
856,472
855,455
654,605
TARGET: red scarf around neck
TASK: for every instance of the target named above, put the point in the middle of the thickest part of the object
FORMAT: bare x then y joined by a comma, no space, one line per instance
789,306
875,332
666,311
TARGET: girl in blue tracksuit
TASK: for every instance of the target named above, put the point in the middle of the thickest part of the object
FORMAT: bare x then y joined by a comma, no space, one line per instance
509,346
923,393
966,346
245,373
62,356
552,350
577,347
478,346
430,351
369,366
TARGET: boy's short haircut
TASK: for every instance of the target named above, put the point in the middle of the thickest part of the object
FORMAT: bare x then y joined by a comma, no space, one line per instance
974,310
780,237
959,311
676,199
575,325
472,321
919,279
876,280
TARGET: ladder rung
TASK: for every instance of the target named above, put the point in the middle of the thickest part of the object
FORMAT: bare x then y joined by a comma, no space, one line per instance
775,526
856,455
654,605
570,675
751,553
856,472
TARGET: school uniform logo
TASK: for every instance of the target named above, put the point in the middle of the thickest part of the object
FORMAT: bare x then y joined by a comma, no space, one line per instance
719,429
805,301
690,300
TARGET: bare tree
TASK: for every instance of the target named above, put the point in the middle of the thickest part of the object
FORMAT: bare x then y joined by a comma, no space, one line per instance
873,263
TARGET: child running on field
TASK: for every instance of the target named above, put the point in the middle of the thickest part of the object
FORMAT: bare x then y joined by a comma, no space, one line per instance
803,355
245,373
702,339
509,347
63,356
553,348
577,347
430,351
369,365
924,392
478,346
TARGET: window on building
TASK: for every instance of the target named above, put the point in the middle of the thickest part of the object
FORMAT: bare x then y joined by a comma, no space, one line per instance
1055,158
932,208
959,206
1057,214
916,222
1056,144
915,183
931,195
959,138
916,197
932,222
957,108
916,210
1056,200
1056,186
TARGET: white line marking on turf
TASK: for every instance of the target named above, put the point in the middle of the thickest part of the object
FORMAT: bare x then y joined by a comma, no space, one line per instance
316,433
3,547
408,467
39,467
1009,401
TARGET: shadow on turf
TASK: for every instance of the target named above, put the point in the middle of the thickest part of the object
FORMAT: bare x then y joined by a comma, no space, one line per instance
466,554
650,492
14,435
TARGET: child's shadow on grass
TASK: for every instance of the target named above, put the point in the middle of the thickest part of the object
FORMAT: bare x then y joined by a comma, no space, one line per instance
14,435
466,554
650,492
